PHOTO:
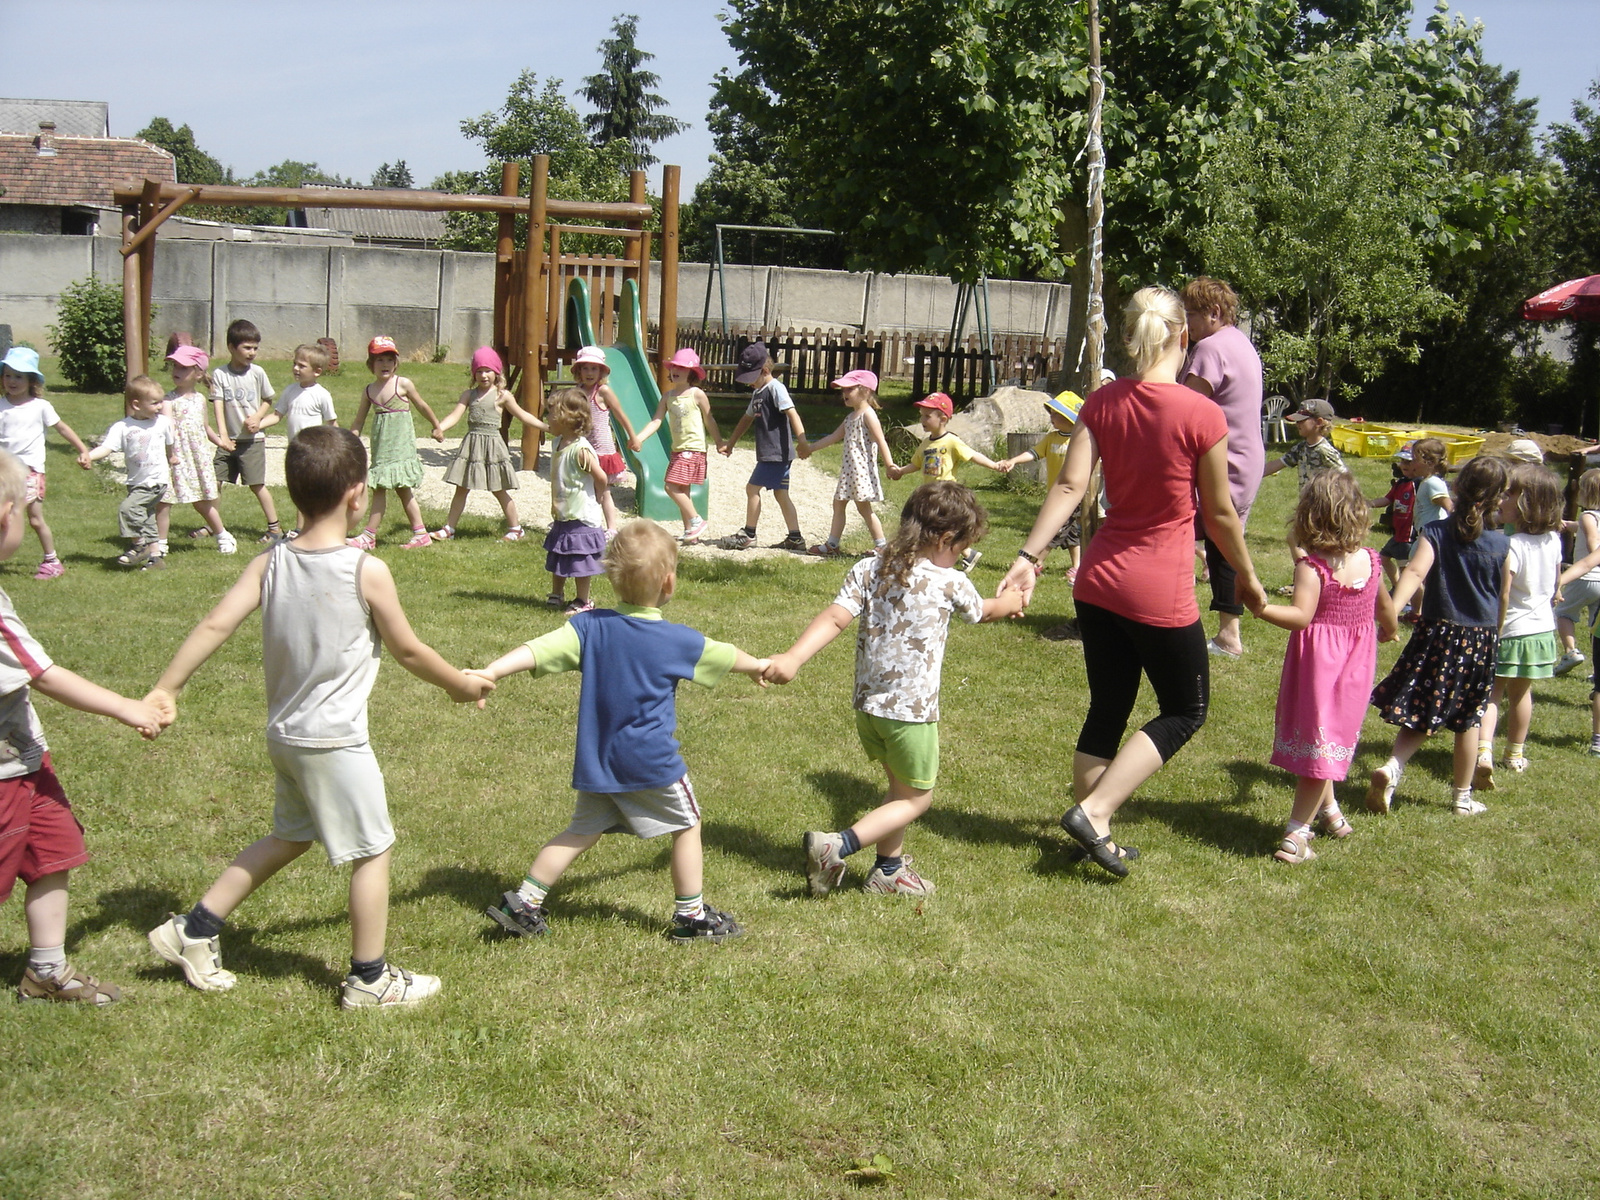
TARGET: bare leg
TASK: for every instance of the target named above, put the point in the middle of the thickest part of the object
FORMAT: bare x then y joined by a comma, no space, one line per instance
45,905
836,530
1135,762
558,854
47,542
874,526
369,906
255,864
558,586
1521,709
1311,796
408,504
209,514
791,518
1565,626
268,509
1465,759
580,586
375,510
752,505
1408,741
688,874
507,505
885,826
609,507
1491,718
458,504
1228,632
678,493
163,521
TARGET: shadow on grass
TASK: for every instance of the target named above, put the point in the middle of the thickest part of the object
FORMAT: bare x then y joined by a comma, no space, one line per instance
511,598
1217,822
476,888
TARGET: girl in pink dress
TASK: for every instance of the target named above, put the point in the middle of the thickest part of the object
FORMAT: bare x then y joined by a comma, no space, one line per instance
1331,657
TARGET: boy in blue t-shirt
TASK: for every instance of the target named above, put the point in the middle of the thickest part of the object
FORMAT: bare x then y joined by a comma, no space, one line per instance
778,433
626,768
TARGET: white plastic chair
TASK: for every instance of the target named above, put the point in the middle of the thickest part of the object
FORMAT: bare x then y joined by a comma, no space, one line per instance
1274,428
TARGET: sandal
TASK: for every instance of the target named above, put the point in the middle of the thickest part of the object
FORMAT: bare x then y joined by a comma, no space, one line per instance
555,600
1335,827
136,557
202,532
1294,849
1106,854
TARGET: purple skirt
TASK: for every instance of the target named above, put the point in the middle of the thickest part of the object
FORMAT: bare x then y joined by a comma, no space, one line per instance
574,550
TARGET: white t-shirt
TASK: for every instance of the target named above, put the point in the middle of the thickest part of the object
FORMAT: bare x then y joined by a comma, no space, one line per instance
22,660
22,429
241,394
1535,564
901,635
303,407
144,449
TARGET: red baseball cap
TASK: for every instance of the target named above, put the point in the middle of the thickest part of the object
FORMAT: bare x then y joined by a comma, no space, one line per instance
382,345
939,402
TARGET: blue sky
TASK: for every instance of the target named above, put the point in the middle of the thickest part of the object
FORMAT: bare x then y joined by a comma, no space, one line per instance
351,84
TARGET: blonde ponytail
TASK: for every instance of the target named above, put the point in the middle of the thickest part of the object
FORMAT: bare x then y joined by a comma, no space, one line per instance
1152,321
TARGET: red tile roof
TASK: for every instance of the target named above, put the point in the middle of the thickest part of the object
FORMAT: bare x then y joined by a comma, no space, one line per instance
82,170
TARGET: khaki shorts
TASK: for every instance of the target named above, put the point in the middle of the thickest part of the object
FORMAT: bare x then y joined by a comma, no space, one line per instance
908,748
246,463
646,813
333,796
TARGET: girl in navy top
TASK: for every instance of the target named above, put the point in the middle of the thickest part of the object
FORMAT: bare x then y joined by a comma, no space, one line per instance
1444,675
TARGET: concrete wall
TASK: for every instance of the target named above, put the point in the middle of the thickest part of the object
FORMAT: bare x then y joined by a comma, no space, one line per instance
422,298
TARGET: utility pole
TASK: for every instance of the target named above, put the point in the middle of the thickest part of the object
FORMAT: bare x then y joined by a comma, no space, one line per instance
1094,345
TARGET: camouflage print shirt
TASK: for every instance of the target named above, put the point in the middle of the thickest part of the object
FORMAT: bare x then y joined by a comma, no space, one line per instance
901,635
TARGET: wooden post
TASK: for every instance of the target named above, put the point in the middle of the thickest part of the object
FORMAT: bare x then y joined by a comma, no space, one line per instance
504,250
149,205
533,310
1095,326
130,298
668,339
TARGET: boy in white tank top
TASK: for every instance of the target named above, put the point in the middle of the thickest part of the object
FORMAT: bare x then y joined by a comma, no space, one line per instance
327,610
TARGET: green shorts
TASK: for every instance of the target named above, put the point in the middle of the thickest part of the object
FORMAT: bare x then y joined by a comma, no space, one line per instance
908,748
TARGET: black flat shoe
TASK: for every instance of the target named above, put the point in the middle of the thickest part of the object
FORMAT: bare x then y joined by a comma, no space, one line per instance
1076,853
1106,854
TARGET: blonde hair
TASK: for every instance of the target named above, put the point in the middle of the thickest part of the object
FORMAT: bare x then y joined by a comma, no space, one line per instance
1152,321
1589,488
1539,498
142,387
932,513
1432,452
13,481
1332,514
569,406
872,396
638,561
315,355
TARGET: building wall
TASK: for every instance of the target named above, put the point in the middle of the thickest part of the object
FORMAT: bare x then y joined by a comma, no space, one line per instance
423,298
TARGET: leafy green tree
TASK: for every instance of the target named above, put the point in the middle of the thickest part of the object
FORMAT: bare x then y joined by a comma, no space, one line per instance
627,108
194,165
396,176
1313,209
290,173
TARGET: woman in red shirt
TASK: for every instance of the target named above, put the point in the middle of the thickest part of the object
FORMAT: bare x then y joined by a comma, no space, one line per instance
1157,442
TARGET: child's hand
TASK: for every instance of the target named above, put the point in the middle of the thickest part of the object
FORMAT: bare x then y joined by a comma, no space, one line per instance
84,461
1004,466
477,689
725,449
252,424
633,444
760,676
438,434
143,716
780,668
803,450
164,703
228,444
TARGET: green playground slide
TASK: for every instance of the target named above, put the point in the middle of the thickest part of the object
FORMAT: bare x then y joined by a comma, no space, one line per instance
635,385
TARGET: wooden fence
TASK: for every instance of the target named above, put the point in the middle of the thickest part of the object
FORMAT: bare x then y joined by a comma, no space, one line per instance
814,357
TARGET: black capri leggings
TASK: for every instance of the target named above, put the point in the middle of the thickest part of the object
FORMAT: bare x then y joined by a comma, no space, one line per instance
1224,582
1115,650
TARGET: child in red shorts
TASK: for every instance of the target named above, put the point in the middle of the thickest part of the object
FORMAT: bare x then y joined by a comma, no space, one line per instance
40,839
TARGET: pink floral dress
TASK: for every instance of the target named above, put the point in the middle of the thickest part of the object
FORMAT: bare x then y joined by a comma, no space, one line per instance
193,475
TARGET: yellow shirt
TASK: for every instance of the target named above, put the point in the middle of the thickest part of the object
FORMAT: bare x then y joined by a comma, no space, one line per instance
942,455
687,422
1051,449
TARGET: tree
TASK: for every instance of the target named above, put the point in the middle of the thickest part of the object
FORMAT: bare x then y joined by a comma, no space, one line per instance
534,120
1313,209
194,165
626,107
396,176
290,173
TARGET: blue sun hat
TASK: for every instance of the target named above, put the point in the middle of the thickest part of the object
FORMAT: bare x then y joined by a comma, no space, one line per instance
1066,404
24,362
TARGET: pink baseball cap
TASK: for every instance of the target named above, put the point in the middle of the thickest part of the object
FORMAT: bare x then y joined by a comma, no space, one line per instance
382,345
189,356
594,355
864,379
939,402
485,356
689,359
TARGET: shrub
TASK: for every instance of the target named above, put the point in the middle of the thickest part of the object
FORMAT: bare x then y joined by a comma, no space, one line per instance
88,337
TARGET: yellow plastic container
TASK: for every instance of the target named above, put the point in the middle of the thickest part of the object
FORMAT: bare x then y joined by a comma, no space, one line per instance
1383,441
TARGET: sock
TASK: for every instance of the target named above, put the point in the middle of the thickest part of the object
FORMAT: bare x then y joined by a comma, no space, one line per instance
274,527
851,843
47,961
879,543
1514,750
1393,767
202,922
888,865
834,542
1485,752
1461,794
794,533
161,549
533,891
447,529
370,971
419,529
1594,742
51,557
693,907
1297,827
749,531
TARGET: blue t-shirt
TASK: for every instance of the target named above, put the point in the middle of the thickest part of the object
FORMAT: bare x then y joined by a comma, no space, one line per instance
1463,584
632,662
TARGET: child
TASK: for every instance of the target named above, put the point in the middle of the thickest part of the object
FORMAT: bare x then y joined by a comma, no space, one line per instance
590,369
1443,676
778,429
577,538
863,439
24,416
394,443
1528,646
626,767
941,452
1332,655
327,612
483,462
1401,500
194,477
238,390
904,597
1580,583
1312,420
146,440
688,413
305,402
1052,448
43,839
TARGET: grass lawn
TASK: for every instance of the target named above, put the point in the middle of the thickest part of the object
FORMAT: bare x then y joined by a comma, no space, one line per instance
1413,1014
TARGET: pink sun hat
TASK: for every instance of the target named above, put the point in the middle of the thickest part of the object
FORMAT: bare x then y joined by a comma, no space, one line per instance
189,356
485,356
689,360
864,379
593,355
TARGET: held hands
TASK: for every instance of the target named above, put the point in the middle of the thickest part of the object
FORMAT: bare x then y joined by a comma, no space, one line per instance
1020,578
780,668
438,434
160,704
803,450
479,684
759,676
725,449
1251,594
252,425
85,461
634,444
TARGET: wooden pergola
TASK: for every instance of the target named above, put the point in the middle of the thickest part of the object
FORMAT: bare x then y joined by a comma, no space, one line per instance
528,284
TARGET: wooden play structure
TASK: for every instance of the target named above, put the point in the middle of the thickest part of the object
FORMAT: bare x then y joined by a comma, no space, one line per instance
531,285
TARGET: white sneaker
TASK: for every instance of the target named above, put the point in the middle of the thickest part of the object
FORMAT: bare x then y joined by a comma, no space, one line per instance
396,986
226,543
1568,660
199,958
1466,806
1380,790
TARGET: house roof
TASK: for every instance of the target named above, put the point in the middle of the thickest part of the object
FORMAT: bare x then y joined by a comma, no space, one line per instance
73,118
379,224
83,170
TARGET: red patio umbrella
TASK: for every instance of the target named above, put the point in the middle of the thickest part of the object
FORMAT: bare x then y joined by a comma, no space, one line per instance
1578,299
